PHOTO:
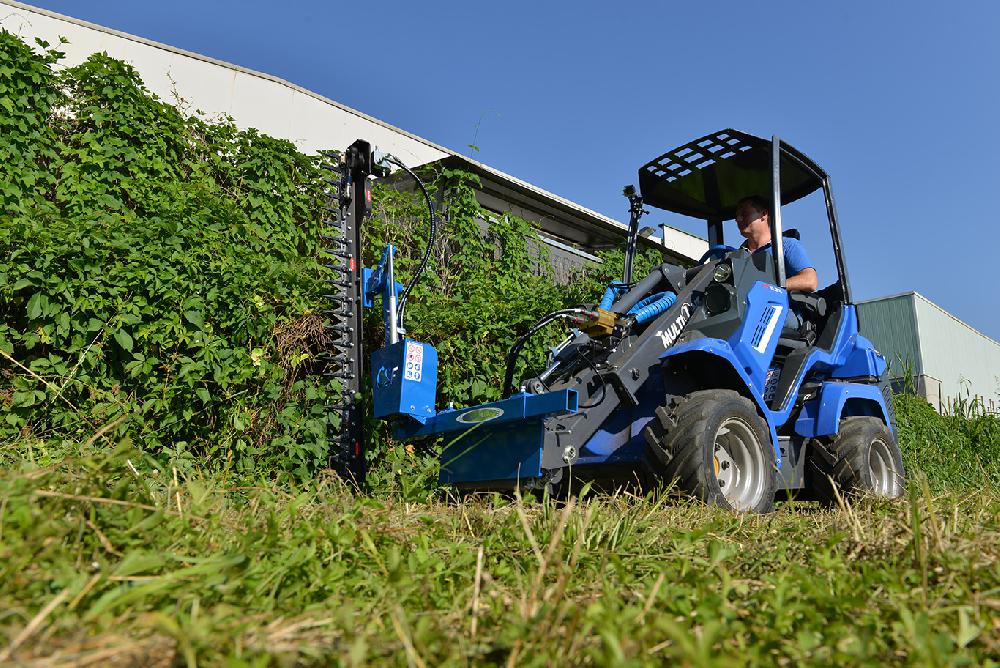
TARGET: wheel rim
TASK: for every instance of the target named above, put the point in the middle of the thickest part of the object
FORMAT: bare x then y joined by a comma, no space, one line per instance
739,464
886,479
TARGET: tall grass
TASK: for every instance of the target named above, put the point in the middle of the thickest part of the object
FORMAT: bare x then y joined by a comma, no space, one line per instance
112,555
115,557
958,452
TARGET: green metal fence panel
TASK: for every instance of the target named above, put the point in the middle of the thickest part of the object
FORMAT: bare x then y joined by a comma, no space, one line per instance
891,324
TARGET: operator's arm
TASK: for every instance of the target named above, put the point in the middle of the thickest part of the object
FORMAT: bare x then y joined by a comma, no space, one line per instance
805,281
800,272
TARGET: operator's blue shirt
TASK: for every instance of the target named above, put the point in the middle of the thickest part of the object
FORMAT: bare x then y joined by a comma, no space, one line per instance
796,258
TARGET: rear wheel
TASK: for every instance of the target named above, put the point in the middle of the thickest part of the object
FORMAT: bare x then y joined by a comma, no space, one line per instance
717,448
862,458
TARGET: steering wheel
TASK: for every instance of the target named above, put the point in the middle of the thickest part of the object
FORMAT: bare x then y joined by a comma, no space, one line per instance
715,253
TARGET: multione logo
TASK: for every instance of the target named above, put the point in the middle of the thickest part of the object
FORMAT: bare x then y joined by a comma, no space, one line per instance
670,334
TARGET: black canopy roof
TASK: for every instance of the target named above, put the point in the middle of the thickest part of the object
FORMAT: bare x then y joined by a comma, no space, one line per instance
705,178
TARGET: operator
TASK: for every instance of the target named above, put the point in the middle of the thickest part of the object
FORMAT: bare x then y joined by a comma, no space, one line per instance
753,216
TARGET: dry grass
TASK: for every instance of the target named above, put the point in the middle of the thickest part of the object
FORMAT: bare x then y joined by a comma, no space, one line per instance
98,567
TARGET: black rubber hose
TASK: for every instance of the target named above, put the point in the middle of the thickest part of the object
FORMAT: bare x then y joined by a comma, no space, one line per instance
401,307
515,351
641,289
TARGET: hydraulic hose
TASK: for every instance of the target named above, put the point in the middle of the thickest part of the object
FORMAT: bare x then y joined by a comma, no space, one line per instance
646,302
652,306
430,239
515,351
611,293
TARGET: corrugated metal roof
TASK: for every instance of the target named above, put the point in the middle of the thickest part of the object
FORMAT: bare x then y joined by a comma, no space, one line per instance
917,295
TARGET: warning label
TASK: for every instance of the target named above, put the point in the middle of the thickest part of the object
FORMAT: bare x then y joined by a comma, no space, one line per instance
414,361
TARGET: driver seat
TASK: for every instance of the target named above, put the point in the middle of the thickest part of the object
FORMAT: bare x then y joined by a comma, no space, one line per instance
806,312
812,311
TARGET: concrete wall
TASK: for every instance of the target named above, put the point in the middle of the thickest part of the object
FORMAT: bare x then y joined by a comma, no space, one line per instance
966,361
682,244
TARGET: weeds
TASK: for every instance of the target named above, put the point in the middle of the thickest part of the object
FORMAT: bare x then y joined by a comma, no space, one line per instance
957,452
110,557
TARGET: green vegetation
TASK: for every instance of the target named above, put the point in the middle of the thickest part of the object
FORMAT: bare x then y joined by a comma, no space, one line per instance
957,451
156,272
106,555
159,275
162,421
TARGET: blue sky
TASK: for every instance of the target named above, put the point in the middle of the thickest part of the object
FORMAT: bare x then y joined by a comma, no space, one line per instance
899,102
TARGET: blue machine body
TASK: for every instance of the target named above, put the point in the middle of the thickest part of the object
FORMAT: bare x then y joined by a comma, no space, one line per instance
404,380
404,373
749,352
725,325
499,441
502,442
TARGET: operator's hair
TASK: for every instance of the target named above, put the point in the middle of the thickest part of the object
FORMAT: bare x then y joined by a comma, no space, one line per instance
758,202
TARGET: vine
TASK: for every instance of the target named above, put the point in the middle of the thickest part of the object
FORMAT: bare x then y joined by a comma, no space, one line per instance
152,267
159,276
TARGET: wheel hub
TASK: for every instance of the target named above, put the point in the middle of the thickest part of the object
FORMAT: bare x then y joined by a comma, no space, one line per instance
739,464
886,480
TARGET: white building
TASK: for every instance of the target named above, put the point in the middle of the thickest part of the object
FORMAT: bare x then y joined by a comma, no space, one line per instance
947,359
314,122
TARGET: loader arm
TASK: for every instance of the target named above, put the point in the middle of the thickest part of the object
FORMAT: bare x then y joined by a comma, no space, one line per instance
614,382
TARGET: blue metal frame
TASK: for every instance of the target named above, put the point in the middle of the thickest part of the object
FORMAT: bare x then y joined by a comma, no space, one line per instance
404,380
503,440
822,416
517,408
381,282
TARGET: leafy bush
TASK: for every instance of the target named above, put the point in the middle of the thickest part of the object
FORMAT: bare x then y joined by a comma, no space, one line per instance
159,276
157,272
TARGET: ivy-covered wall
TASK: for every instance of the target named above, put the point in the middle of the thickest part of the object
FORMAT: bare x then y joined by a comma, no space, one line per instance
159,278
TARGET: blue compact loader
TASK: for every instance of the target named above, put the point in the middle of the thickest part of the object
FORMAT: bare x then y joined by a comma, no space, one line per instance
713,379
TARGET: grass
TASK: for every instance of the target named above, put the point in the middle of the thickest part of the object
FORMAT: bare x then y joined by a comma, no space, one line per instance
958,452
109,558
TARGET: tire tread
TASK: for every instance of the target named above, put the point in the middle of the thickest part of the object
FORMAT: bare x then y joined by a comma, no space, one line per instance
835,464
675,442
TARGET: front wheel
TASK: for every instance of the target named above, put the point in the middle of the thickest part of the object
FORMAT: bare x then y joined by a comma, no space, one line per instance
862,458
717,448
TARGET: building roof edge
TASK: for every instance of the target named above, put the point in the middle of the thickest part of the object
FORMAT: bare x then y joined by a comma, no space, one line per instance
915,294
221,63
580,209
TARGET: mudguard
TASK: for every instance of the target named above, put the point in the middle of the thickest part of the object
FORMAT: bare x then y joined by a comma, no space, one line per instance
862,359
821,416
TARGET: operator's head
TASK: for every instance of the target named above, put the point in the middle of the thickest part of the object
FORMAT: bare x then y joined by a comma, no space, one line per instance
751,212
